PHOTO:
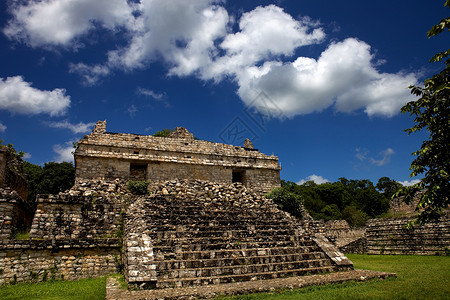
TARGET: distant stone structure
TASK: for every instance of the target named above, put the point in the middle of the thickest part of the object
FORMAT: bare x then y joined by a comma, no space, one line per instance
110,155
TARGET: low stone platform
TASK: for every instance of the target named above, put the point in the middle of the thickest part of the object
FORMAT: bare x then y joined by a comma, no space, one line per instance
114,291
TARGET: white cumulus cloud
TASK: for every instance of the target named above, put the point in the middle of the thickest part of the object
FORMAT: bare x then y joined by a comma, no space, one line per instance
18,96
257,50
316,178
2,127
409,182
343,76
64,152
75,128
59,22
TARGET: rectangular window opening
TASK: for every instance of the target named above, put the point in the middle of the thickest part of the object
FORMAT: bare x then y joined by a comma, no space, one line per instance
239,176
138,172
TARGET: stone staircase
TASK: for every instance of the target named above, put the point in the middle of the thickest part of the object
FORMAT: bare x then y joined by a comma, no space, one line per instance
191,234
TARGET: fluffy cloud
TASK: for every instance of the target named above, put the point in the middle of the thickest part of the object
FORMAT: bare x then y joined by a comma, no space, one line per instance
384,157
150,93
343,75
75,128
316,178
196,38
59,22
2,127
64,152
409,183
18,96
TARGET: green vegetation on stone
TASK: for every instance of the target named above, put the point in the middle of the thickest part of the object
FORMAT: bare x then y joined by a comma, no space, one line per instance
163,133
138,187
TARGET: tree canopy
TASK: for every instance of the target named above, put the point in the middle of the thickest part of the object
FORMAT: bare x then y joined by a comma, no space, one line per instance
353,200
432,113
52,178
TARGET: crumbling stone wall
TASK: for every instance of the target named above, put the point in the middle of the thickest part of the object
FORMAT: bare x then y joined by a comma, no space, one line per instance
41,260
390,236
398,207
11,172
91,209
179,156
14,213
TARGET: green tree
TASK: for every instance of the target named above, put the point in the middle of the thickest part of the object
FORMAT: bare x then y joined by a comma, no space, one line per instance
432,113
287,201
52,178
388,186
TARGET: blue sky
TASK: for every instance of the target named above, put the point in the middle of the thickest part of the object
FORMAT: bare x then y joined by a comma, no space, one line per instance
317,83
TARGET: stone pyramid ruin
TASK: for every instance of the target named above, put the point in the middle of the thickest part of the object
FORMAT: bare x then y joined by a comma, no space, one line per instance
198,233
205,221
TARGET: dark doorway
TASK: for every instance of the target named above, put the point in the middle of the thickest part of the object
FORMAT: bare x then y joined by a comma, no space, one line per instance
238,176
138,172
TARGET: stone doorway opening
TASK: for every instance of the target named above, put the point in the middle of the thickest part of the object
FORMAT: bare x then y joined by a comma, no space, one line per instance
138,172
239,176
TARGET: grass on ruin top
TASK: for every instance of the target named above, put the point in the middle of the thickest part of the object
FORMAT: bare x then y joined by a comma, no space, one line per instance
91,288
418,277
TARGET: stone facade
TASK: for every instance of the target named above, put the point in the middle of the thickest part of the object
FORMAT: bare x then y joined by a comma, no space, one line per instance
390,236
41,260
178,156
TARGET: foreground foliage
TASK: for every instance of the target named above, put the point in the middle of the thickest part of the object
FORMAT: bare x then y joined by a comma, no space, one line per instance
432,111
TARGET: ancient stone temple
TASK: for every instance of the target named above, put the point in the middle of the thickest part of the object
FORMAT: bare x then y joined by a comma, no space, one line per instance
110,155
205,219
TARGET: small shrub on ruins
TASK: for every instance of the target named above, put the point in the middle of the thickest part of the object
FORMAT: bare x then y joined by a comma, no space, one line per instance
163,133
138,187
287,201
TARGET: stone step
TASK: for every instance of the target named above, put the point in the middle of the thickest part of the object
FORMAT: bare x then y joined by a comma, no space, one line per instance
158,228
236,245
240,260
231,232
169,224
240,269
197,281
219,243
224,219
165,253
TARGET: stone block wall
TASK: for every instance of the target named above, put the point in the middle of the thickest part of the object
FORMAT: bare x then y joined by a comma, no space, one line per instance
14,213
158,159
11,172
34,261
84,212
390,236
